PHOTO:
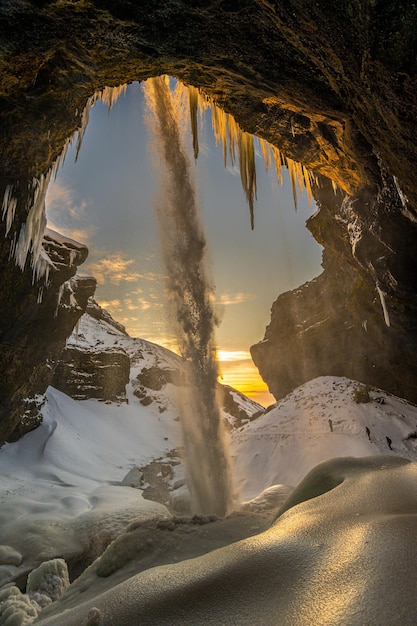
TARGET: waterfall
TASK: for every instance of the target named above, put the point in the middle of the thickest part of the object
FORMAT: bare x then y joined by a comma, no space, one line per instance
190,296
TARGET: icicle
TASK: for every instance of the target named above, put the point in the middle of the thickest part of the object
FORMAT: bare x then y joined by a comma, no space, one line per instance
110,95
60,294
278,160
235,144
266,152
84,121
246,151
307,183
72,257
32,231
193,103
384,305
9,207
293,177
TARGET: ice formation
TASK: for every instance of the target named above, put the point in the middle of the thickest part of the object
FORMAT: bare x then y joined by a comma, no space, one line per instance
30,237
45,585
384,305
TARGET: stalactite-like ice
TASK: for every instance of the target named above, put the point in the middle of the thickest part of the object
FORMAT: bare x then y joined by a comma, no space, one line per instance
384,305
30,237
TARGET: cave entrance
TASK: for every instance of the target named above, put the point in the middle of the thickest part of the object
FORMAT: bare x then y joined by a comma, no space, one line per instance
104,199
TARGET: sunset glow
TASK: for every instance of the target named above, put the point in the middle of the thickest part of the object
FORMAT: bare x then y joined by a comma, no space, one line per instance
112,215
238,371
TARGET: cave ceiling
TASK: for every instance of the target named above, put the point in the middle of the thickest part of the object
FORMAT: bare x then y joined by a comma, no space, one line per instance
331,83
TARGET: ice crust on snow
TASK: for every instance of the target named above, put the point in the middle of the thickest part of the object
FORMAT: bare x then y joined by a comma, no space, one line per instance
45,585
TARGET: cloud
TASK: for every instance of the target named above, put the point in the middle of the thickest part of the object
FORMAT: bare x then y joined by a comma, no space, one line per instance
114,269
82,235
65,214
234,298
60,202
233,169
233,355
153,277
142,304
147,304
113,306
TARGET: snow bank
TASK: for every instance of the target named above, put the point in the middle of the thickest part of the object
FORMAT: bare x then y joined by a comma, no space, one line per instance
74,484
344,553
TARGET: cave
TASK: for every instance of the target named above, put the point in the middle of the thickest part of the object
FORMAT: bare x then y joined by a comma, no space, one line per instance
338,98
331,84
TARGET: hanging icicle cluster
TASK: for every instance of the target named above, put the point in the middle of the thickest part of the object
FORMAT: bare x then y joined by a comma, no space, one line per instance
29,240
238,146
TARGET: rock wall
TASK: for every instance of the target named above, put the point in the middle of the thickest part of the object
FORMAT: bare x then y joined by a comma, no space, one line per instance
347,322
84,374
34,331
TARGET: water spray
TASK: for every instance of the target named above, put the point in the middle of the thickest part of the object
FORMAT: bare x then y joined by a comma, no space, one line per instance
190,296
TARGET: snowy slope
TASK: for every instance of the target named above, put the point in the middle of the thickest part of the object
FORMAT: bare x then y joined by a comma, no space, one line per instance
100,334
282,445
62,491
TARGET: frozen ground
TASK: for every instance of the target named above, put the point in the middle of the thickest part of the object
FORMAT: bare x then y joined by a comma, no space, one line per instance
62,495
342,554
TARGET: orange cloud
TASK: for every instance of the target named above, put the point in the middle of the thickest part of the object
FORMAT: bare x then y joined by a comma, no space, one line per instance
234,298
113,306
113,269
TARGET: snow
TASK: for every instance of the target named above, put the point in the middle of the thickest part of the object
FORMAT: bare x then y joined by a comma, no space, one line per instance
45,585
343,552
282,445
63,240
74,484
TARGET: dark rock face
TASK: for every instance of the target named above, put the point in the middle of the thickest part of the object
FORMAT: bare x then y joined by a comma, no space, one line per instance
335,324
235,409
100,374
33,333
331,83
156,377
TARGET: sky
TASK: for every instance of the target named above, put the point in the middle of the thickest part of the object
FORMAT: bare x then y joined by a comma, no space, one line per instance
106,200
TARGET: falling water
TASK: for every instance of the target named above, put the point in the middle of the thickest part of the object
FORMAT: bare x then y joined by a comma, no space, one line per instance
190,292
